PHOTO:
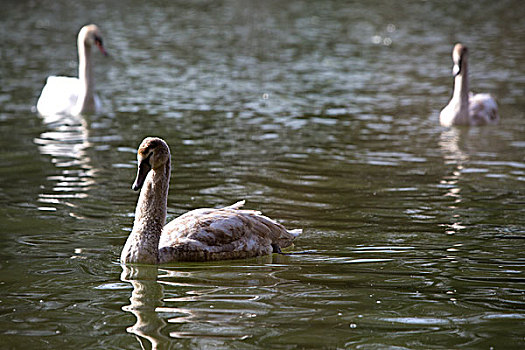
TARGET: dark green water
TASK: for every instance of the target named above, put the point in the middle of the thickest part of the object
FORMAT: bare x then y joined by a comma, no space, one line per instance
321,114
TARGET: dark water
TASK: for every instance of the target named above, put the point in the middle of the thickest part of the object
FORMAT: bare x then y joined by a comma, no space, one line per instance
324,115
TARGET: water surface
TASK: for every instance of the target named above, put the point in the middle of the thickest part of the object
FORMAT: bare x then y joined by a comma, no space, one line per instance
324,115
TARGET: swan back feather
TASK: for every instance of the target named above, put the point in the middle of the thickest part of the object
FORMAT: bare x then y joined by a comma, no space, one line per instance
483,109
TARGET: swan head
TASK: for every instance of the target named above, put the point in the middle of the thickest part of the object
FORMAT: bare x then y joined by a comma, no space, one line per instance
153,153
459,56
90,35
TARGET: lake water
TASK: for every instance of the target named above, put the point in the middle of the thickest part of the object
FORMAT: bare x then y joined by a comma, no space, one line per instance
321,114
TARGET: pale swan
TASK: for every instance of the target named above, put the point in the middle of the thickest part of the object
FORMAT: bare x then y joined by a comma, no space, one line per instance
199,235
466,108
69,95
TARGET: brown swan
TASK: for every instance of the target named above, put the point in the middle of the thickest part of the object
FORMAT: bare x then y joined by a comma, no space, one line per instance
199,235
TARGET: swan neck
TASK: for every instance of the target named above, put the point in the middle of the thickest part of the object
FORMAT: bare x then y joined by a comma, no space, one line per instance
86,100
142,245
461,88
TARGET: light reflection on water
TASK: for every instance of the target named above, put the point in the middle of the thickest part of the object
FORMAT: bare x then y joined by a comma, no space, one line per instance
66,142
453,156
322,115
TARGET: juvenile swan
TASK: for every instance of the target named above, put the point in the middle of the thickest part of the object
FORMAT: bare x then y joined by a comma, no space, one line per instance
466,108
69,95
199,235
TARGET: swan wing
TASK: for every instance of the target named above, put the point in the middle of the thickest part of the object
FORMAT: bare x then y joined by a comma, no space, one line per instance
225,233
59,96
483,109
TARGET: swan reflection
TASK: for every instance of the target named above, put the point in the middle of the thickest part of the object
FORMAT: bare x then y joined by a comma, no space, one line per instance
145,299
203,306
454,156
66,141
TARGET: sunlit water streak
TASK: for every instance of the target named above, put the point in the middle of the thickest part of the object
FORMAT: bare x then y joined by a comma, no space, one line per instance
66,143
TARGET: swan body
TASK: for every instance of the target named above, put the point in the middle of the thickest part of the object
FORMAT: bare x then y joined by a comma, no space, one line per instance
466,108
199,235
70,95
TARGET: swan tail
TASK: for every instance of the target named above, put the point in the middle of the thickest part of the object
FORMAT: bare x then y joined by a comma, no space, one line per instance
235,206
295,232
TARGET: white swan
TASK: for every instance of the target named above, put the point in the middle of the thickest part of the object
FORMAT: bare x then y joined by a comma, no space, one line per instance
69,95
199,235
467,108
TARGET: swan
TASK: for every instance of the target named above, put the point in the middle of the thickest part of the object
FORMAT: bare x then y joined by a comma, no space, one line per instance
69,95
467,108
199,235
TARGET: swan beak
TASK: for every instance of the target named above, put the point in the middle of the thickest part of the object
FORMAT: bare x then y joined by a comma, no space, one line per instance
103,50
456,70
144,168
98,42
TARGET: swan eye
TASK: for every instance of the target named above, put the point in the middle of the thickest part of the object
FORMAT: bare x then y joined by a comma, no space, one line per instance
98,40
145,155
148,158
